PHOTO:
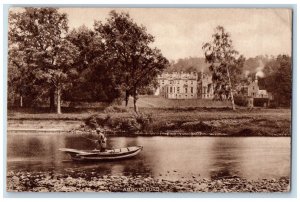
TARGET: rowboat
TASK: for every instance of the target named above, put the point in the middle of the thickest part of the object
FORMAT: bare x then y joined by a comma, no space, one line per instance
96,155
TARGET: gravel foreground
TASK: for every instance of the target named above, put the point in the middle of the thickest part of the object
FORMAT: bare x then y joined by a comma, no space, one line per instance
49,182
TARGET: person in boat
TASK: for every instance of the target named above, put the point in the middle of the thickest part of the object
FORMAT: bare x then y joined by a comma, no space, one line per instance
101,140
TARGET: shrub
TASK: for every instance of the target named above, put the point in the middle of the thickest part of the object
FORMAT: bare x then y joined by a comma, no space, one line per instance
260,102
196,126
115,108
241,100
95,121
128,125
145,121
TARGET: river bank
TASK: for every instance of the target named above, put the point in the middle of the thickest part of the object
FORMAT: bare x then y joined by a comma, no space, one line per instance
80,182
162,122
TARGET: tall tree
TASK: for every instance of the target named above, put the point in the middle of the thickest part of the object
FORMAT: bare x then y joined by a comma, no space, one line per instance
40,33
278,79
225,63
128,54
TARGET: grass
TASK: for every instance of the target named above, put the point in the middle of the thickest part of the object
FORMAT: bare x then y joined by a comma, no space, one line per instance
160,102
169,116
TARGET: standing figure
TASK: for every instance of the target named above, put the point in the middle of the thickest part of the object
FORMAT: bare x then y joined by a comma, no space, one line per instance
101,142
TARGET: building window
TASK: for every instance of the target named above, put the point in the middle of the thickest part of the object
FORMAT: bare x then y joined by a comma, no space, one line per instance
186,90
191,82
171,89
178,89
192,90
253,94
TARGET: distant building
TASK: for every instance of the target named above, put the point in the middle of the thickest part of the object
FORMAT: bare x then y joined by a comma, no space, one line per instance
259,96
177,85
205,87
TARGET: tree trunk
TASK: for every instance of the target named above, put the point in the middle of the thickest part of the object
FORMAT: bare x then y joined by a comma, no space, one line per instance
21,101
230,86
52,98
134,101
58,100
126,98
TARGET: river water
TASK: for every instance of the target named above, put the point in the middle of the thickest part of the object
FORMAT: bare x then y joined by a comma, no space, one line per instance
161,157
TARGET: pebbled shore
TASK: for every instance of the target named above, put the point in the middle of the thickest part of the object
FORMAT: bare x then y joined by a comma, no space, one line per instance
49,182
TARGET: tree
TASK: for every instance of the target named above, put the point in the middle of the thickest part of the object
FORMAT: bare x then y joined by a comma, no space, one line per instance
278,79
224,62
39,33
93,78
128,54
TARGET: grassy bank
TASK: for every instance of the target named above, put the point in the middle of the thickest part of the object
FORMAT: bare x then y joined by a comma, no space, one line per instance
184,121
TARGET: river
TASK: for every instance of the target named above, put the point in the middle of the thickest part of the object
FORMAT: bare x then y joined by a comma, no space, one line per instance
162,157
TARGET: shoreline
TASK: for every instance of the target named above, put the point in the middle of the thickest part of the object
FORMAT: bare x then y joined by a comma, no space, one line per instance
146,134
158,122
49,182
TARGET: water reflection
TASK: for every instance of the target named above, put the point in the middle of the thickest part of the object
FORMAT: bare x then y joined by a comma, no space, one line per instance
162,157
226,157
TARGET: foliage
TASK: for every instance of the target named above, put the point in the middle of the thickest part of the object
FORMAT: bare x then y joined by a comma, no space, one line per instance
260,102
115,109
95,81
225,64
278,79
145,121
241,100
128,53
189,64
38,36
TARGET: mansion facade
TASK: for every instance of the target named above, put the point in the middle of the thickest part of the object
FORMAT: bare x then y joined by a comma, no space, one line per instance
178,85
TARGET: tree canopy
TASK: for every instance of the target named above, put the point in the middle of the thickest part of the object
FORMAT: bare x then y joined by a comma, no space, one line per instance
278,79
38,34
225,63
128,55
114,60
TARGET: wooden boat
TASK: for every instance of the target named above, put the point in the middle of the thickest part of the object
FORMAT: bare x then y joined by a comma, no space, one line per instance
96,155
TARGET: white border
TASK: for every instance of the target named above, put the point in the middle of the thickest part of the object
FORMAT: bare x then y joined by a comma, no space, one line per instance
148,2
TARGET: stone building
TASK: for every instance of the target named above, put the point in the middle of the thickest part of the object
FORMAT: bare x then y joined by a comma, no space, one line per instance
205,87
256,95
178,85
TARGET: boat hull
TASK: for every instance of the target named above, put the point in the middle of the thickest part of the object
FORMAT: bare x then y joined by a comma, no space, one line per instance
96,155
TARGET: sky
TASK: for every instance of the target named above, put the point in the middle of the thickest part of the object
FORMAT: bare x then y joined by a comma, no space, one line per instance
181,32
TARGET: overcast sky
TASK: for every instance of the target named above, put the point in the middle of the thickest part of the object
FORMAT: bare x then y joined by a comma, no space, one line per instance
180,33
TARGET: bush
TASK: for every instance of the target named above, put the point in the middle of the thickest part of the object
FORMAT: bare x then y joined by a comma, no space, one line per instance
196,126
145,121
115,108
95,121
260,102
241,100
128,125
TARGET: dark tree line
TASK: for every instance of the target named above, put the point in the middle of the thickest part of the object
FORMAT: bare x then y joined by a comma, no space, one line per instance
278,79
48,63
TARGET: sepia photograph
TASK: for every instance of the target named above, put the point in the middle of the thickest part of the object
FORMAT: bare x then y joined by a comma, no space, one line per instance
146,100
